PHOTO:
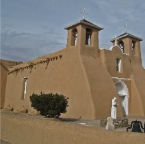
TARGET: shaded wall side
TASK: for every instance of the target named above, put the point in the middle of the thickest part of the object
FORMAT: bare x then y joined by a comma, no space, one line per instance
138,88
64,76
4,65
101,86
136,108
3,79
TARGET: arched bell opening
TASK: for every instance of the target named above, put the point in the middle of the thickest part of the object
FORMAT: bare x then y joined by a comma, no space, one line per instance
121,45
74,37
133,47
88,37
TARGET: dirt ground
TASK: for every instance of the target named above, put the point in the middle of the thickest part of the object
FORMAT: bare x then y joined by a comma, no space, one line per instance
4,142
67,131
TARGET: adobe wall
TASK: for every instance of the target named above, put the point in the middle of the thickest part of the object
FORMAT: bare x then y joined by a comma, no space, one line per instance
4,65
138,89
109,57
64,76
22,129
101,86
131,69
83,79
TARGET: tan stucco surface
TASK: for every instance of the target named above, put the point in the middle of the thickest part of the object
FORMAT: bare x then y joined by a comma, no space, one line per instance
4,65
138,82
23,129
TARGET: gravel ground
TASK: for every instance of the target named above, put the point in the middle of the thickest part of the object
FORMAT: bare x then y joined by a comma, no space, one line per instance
84,122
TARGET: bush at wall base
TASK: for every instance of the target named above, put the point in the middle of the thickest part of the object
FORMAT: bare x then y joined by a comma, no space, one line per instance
49,105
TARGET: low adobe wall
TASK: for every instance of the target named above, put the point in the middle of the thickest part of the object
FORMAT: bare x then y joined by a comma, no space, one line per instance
24,129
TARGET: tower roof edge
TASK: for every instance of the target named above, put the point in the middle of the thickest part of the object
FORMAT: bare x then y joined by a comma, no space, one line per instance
85,22
126,34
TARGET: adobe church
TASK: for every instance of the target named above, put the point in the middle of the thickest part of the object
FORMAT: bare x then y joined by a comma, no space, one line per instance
88,75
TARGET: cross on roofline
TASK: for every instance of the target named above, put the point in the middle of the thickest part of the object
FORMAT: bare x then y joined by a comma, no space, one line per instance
126,27
84,13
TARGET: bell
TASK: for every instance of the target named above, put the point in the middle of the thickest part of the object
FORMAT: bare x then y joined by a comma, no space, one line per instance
136,127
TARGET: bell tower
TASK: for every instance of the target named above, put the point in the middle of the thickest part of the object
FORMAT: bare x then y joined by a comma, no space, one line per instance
83,36
129,44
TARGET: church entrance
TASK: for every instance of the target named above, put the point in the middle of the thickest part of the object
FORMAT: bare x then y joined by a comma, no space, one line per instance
123,95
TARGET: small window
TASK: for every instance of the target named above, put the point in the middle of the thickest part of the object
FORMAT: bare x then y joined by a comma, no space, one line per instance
133,47
74,37
88,37
24,87
118,65
121,45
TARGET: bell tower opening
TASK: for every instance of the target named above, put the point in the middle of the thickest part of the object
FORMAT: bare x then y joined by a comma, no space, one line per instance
133,47
121,45
88,36
74,37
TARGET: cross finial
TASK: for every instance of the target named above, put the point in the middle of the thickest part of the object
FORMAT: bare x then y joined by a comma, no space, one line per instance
126,27
84,13
116,41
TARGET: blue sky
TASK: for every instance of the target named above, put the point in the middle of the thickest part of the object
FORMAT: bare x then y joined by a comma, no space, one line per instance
32,28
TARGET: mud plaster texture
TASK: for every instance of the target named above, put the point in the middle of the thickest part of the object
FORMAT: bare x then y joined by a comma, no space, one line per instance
4,66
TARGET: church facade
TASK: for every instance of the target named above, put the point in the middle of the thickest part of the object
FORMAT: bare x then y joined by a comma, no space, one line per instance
91,77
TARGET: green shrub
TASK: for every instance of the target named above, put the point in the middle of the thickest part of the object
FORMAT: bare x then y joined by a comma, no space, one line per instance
49,105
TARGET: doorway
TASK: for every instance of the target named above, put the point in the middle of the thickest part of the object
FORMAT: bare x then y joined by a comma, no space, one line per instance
123,94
